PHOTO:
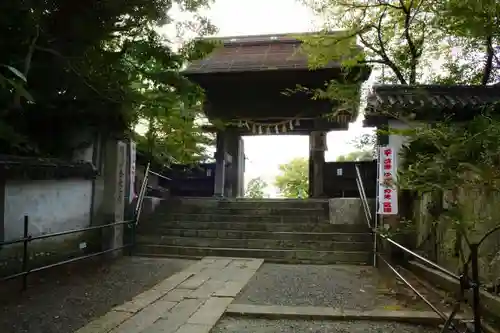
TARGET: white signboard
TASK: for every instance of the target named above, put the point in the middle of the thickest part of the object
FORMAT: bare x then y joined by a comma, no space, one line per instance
132,171
387,191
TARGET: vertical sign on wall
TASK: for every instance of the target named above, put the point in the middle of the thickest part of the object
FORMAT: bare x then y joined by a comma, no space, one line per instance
132,171
121,167
387,192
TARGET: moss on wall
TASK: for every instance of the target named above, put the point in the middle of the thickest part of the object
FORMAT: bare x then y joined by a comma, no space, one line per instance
440,241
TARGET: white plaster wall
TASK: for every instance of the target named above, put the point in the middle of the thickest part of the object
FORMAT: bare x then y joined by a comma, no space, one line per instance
52,206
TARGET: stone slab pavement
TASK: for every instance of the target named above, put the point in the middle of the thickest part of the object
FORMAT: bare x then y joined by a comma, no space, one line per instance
191,301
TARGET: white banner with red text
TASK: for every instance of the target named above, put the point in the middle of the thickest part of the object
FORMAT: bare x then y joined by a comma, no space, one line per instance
387,191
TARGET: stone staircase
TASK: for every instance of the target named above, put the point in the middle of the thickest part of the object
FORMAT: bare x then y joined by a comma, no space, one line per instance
289,231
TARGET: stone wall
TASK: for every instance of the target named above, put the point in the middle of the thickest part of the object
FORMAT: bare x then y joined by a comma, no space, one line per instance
438,241
348,210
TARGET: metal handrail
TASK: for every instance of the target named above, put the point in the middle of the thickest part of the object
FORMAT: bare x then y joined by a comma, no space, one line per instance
64,233
465,283
28,238
362,192
421,258
158,175
142,194
364,199
143,191
366,208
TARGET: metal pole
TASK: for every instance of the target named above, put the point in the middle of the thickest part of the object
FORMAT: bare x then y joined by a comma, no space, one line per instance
401,277
427,261
474,252
132,227
376,216
25,253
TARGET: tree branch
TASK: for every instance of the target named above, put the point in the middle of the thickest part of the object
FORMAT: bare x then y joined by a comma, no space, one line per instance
488,66
384,55
367,6
414,54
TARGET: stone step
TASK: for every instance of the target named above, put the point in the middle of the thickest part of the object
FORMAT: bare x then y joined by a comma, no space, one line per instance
286,256
246,211
240,234
242,218
255,243
249,203
252,226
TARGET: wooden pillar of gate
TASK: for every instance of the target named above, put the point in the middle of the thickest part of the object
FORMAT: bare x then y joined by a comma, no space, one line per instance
220,164
317,148
234,174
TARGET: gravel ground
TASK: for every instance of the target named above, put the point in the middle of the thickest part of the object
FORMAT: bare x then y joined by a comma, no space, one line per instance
348,287
240,325
63,300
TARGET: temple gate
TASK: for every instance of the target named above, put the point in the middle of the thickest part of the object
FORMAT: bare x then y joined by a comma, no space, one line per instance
246,81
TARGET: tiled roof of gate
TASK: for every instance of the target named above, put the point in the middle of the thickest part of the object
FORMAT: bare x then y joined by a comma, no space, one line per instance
445,99
253,53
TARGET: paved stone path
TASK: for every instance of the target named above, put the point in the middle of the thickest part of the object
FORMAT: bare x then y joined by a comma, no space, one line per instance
279,298
191,301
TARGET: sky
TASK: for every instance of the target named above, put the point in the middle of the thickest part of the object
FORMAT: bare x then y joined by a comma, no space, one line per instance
252,17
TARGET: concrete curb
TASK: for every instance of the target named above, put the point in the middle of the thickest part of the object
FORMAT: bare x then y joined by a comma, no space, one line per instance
490,303
325,313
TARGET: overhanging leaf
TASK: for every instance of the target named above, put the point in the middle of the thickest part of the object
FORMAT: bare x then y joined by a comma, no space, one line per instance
21,90
16,73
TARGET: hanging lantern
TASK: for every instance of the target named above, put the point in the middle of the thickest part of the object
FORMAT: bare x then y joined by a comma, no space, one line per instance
260,129
276,129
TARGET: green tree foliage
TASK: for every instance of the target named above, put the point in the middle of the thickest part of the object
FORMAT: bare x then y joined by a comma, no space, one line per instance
365,141
439,155
255,188
365,149
426,41
357,155
97,66
474,27
293,180
459,165
402,39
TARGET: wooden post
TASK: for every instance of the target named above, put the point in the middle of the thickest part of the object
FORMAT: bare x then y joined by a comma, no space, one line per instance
233,173
220,165
317,147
